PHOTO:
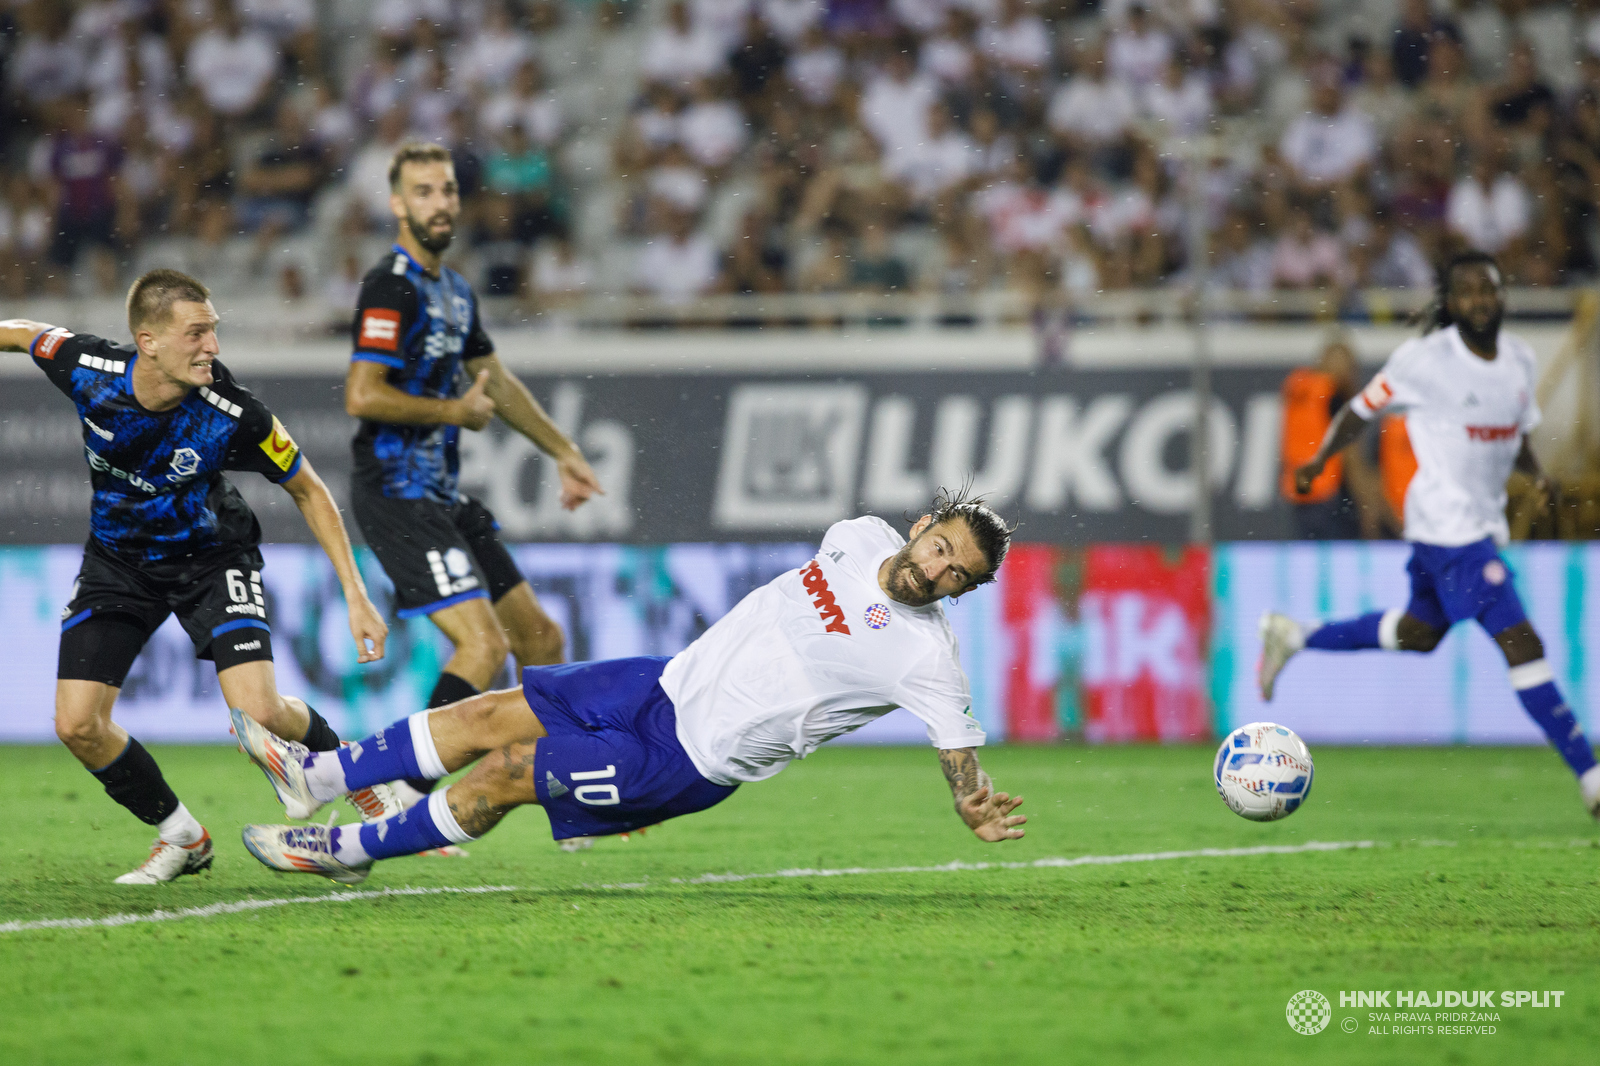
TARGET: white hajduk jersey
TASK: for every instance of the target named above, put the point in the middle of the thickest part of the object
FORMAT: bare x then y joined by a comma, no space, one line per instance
816,652
1466,418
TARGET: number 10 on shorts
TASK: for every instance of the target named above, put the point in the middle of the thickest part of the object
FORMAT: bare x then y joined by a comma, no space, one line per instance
596,795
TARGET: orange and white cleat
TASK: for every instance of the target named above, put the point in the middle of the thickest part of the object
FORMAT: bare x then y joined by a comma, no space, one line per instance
168,862
281,760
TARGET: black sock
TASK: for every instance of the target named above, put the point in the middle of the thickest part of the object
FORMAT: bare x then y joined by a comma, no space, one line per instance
448,689
134,780
319,734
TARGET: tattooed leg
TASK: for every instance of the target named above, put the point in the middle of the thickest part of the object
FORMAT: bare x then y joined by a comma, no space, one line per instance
500,782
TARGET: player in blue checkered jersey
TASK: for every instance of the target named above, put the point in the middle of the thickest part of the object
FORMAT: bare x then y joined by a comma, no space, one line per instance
417,336
608,747
168,534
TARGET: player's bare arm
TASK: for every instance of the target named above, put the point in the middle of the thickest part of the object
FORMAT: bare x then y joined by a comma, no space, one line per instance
18,334
518,409
368,395
986,812
1346,428
311,495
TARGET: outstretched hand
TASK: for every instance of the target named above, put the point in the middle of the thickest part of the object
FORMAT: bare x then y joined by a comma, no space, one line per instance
1305,475
369,629
988,813
578,482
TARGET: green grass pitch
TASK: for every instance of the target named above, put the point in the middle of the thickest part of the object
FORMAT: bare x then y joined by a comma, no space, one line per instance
1484,875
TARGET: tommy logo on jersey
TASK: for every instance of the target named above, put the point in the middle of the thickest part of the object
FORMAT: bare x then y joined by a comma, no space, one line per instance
1491,433
380,328
279,446
822,599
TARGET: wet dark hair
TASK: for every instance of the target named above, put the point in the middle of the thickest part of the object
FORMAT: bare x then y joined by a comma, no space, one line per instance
988,529
1436,315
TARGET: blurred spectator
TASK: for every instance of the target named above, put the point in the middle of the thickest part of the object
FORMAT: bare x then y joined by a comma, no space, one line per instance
1332,143
940,162
875,267
231,66
894,107
1333,509
1413,38
82,168
1179,99
751,264
495,52
368,176
1522,101
712,129
520,171
48,65
1138,51
1306,257
277,187
679,52
677,263
1489,206
1091,109
560,278
790,19
527,102
816,69
1391,258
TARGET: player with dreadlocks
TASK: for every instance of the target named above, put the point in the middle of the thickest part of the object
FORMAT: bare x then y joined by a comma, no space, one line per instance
1467,391
606,747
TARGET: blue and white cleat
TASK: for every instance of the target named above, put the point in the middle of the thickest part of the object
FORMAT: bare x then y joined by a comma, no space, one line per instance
1589,787
281,760
301,849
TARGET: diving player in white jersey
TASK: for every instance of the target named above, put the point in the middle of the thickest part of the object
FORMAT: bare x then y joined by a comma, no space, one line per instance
1467,391
607,747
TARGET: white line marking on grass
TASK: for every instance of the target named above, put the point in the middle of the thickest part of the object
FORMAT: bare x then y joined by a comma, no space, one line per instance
214,909
211,910
1036,864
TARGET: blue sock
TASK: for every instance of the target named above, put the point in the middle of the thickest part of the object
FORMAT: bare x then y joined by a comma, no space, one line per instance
1352,635
404,749
1536,688
428,824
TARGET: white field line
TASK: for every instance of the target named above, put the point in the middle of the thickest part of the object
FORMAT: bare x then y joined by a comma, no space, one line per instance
214,909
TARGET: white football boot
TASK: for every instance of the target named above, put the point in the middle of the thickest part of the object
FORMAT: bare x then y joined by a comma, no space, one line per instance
1589,785
1281,637
167,862
301,849
281,760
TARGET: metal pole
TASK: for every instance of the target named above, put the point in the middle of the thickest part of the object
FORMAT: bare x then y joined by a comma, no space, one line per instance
1200,373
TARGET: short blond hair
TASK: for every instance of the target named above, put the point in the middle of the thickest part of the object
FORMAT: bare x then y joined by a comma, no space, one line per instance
150,299
415,152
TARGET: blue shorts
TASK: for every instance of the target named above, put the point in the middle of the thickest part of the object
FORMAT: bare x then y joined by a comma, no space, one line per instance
612,761
1449,585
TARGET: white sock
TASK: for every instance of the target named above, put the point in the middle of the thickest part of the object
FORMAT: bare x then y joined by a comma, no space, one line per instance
325,776
347,846
1389,629
444,818
422,745
408,796
180,828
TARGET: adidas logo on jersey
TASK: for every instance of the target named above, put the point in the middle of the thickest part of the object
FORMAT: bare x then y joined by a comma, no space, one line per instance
822,599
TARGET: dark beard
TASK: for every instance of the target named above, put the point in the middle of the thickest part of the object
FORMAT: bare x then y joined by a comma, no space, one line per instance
435,245
903,572
1485,339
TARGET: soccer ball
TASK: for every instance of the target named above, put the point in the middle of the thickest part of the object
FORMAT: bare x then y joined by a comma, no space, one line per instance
1263,771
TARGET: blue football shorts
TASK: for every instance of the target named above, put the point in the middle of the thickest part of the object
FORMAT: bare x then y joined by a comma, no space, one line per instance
1450,585
612,761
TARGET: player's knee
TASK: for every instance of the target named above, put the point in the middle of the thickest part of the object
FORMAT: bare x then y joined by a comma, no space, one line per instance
1520,644
1415,635
79,730
490,649
541,646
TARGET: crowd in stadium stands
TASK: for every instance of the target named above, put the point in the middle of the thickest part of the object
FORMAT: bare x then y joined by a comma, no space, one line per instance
723,146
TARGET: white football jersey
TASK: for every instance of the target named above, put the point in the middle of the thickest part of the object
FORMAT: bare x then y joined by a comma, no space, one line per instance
817,652
1466,418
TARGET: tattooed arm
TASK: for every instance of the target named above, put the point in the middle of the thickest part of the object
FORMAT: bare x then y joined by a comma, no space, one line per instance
986,812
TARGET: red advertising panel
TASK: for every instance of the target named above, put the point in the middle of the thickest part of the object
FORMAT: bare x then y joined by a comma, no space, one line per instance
1109,641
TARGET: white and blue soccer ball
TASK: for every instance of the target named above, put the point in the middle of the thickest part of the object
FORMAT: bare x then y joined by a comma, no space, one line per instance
1263,771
